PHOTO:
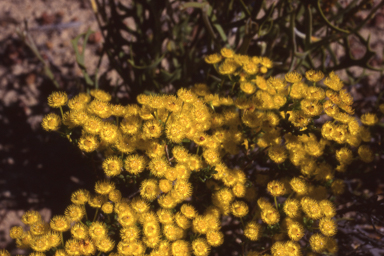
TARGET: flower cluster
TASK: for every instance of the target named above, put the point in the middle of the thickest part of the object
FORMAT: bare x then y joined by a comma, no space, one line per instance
167,141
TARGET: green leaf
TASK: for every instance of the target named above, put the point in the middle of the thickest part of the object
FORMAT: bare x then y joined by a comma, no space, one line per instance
154,64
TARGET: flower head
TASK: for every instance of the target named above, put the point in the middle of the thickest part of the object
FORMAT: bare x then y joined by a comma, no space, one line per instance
51,122
60,223
57,99
252,230
369,119
314,76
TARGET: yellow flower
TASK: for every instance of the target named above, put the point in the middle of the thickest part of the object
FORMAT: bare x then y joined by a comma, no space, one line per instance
314,76
78,117
101,95
227,53
250,68
112,166
139,205
109,133
115,196
292,208
175,132
60,223
315,93
239,209
298,118
72,247
98,230
80,196
295,231
135,164
211,156
186,95
165,185
97,201
228,67
107,208
165,216
327,208
311,208
40,244
152,129
39,228
239,190
339,134
92,125
167,201
25,240
31,217
299,186
118,110
345,97
293,77
311,107
365,153
51,122
180,248
278,248
54,239
182,221
252,230
74,212
127,218
100,108
88,143
105,244
200,225
172,232
16,232
200,247
182,189
130,233
328,227
215,238
158,166
344,155
276,188
79,231
369,119
270,215
318,242
266,62
213,58
104,187
57,99
61,252
149,189
76,103
298,90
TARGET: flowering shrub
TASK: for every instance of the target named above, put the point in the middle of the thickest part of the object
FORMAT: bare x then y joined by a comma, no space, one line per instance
270,159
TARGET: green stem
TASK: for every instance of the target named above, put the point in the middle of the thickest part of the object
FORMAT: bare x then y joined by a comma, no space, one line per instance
327,21
117,121
97,211
62,113
275,201
99,253
290,195
242,223
62,239
245,8
85,210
